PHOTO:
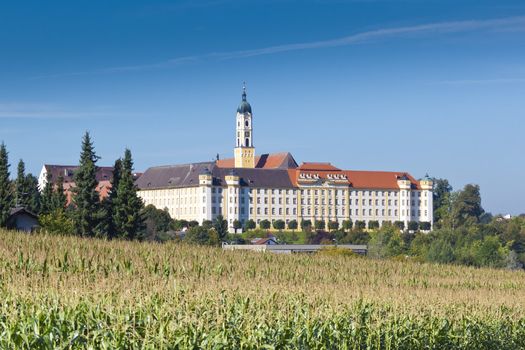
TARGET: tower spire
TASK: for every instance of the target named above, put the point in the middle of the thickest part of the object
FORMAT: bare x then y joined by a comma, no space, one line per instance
244,91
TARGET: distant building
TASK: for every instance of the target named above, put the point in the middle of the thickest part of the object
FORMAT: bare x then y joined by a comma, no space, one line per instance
275,187
22,219
265,241
104,175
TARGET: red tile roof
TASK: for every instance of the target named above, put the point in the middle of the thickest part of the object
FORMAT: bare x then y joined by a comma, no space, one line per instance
265,161
377,179
355,178
317,166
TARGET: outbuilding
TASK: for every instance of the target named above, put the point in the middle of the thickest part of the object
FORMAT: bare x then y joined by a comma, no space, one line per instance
22,219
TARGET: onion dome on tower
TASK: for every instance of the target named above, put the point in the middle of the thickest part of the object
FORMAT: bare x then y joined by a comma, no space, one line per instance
244,106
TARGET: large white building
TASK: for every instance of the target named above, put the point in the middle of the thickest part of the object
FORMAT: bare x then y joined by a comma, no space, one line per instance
274,187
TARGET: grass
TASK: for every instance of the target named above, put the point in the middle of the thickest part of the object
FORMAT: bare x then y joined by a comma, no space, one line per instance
67,292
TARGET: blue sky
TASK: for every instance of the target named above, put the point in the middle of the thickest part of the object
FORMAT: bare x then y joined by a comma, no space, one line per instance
433,86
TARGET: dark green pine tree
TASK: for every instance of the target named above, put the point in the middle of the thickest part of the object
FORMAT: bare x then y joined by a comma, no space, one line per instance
21,193
89,214
127,206
33,197
59,198
46,198
6,190
109,202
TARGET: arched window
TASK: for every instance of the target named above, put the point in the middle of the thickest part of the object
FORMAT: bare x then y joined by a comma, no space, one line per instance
246,123
247,142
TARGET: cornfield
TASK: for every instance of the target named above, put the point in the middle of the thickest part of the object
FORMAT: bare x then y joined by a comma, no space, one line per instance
61,292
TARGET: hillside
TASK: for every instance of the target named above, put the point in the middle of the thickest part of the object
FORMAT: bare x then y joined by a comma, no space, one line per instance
64,291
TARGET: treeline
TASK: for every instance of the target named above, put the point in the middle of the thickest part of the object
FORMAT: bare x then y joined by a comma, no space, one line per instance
119,215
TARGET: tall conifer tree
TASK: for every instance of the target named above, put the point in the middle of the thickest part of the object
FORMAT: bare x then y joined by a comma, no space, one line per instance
46,199
21,193
6,190
110,202
88,215
33,195
59,198
128,206
26,189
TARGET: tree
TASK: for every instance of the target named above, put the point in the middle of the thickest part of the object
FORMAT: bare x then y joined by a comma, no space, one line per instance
59,199
6,194
292,225
347,225
265,224
21,192
33,200
26,190
373,224
89,214
193,223
306,225
250,225
236,225
110,202
200,235
320,224
128,221
399,224
207,224
57,222
489,252
46,198
157,221
221,227
360,224
425,226
413,225
468,203
440,194
333,225
279,225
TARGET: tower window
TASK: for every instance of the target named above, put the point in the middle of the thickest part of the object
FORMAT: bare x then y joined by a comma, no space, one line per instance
246,123
247,142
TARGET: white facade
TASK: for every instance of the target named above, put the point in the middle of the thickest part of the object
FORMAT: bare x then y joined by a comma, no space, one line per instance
233,202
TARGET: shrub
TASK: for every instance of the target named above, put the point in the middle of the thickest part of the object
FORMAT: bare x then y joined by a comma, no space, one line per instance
373,224
265,224
333,225
347,225
279,225
57,222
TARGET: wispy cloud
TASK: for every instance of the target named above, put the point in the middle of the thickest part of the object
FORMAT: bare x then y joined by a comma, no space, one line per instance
48,111
497,24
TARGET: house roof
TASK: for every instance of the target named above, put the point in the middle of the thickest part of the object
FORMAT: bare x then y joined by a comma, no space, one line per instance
282,160
20,211
354,178
187,175
273,171
318,166
265,240
182,175
378,179
68,171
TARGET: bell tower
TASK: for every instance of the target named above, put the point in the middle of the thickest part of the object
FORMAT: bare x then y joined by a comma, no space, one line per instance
244,151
